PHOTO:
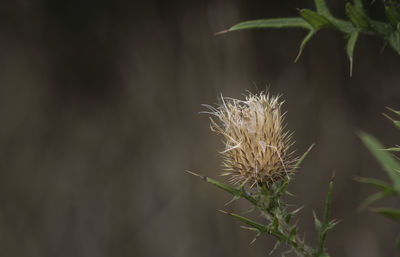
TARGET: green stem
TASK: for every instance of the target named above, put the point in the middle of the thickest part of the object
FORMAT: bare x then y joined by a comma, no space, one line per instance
325,223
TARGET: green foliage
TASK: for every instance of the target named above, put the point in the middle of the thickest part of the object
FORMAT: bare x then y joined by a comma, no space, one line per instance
358,23
324,226
278,219
271,23
393,214
391,166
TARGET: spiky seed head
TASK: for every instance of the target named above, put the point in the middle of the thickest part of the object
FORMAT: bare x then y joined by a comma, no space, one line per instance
257,147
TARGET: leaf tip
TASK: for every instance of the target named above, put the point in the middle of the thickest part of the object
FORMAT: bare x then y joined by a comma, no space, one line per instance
196,175
333,176
351,67
222,32
224,212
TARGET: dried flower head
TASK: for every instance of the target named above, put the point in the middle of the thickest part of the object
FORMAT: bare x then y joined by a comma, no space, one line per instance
256,145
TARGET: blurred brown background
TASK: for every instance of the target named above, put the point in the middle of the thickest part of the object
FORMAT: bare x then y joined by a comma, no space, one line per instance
99,104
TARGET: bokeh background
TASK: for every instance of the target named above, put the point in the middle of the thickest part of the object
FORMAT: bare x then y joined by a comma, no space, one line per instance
99,119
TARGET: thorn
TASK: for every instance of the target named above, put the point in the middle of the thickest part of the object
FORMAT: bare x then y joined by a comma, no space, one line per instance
351,67
224,212
390,109
333,175
298,56
197,175
221,32
387,116
255,238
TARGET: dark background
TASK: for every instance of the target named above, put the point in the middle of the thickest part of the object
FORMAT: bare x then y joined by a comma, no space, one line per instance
99,104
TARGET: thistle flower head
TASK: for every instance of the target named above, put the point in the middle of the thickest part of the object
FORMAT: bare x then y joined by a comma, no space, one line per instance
257,147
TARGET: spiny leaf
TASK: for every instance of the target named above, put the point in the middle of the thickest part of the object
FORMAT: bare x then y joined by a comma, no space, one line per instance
395,122
277,244
234,198
293,233
359,6
318,224
322,8
229,189
275,223
325,225
236,192
350,48
398,242
302,157
289,215
387,161
371,199
276,23
345,27
377,183
328,201
313,21
249,228
307,38
386,190
255,238
316,20
332,224
393,110
358,19
393,149
382,28
393,16
393,214
394,41
259,227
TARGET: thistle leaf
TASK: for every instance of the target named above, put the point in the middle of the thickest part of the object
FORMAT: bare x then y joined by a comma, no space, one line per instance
277,244
393,16
398,242
259,227
382,28
289,215
393,149
307,38
328,202
395,122
359,6
234,198
393,214
316,20
276,23
322,8
393,110
394,41
377,183
371,199
351,42
357,17
387,161
344,26
293,233
318,224
302,157
236,192
386,190
325,225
